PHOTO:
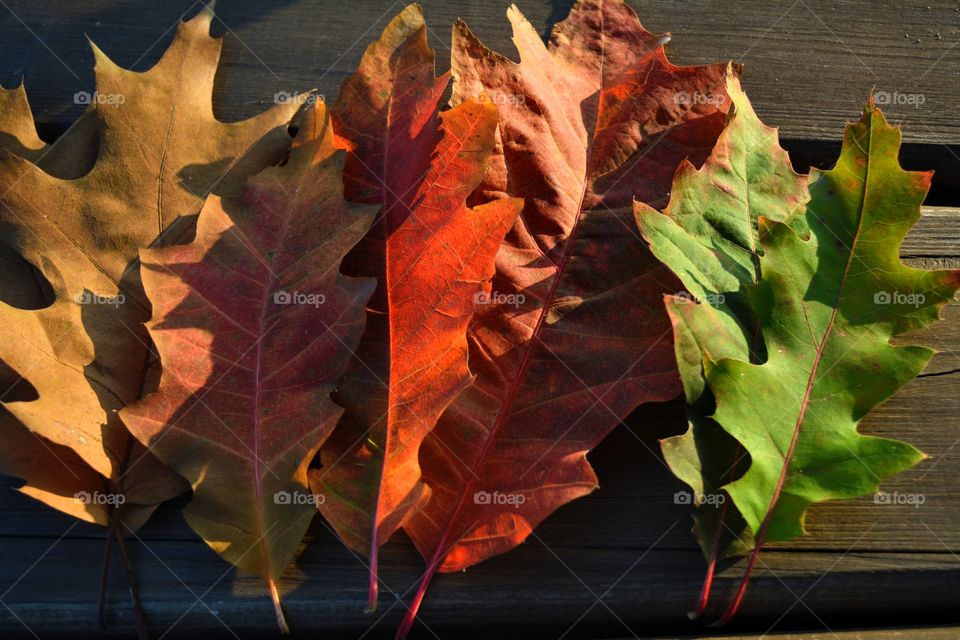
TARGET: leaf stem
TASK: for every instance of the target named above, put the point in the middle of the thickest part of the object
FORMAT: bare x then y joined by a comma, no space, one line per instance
107,553
411,615
741,590
142,633
704,598
277,606
374,581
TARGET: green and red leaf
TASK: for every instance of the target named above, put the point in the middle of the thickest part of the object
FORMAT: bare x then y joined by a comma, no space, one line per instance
709,236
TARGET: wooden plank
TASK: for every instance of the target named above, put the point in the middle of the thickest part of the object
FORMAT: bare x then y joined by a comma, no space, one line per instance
809,66
904,553
936,235
539,590
924,633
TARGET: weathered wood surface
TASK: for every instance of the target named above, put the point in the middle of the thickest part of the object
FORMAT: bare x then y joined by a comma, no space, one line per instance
864,564
942,633
809,66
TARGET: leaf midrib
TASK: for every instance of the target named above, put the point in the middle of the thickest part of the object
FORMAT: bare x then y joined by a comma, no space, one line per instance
527,359
805,403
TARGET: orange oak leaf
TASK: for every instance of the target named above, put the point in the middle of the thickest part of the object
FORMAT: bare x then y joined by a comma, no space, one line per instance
575,336
433,257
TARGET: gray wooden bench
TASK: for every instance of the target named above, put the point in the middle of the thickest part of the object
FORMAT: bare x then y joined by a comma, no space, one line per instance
621,562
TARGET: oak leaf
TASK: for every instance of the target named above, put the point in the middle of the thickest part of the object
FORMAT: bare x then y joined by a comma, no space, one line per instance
575,336
830,295
433,257
54,474
254,324
160,151
709,236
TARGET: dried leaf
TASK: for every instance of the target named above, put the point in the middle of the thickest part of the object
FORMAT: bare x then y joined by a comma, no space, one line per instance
255,324
161,150
433,257
574,337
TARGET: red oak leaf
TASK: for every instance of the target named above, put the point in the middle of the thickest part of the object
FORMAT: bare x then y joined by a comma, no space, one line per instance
575,336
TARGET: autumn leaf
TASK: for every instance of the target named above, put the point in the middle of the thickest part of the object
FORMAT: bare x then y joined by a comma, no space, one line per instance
574,337
708,235
70,156
255,324
161,150
54,474
433,258
827,305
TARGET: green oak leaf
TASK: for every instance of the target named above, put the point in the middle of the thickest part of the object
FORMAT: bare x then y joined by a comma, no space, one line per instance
827,305
708,235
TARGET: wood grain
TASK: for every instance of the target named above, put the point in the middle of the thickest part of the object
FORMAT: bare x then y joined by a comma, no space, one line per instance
864,564
860,563
809,65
